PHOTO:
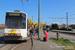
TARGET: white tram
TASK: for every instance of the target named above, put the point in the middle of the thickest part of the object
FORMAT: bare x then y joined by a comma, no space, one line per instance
16,26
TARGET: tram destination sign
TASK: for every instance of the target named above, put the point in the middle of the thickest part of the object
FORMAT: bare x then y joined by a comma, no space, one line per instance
13,14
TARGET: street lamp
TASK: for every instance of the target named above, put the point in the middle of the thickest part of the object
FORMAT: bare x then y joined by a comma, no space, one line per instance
39,21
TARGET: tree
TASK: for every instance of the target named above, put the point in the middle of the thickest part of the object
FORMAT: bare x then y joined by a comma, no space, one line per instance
69,25
50,26
47,26
64,24
53,26
56,26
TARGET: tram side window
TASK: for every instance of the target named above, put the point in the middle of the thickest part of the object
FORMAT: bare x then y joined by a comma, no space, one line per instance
23,23
28,24
7,22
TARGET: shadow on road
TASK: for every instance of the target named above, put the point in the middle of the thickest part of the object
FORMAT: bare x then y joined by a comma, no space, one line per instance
2,41
2,38
13,42
42,40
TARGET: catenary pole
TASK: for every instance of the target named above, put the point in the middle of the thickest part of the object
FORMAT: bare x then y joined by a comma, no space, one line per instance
39,20
67,19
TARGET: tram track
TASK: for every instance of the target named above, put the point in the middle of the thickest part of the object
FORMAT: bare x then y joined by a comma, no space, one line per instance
16,46
3,45
9,45
24,46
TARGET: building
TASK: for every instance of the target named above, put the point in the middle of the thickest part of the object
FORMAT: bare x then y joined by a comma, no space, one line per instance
62,26
2,25
73,26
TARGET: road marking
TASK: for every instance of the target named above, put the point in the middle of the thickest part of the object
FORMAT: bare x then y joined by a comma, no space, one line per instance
14,47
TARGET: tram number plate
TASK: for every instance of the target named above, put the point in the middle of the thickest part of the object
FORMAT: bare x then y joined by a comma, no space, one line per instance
12,34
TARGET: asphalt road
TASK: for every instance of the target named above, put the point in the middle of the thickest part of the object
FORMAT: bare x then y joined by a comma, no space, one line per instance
16,45
13,45
1,32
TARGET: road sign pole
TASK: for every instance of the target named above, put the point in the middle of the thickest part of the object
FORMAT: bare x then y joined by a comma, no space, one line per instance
39,20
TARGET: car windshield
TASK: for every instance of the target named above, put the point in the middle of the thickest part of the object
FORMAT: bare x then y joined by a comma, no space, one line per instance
13,22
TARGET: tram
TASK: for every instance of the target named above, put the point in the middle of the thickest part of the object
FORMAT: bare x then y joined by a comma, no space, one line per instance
17,26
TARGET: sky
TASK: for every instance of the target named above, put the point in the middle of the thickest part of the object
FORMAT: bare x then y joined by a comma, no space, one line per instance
48,9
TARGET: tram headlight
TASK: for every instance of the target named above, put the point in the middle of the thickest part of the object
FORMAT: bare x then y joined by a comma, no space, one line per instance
7,34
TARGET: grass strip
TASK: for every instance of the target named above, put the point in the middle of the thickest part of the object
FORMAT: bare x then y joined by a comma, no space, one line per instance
1,27
64,43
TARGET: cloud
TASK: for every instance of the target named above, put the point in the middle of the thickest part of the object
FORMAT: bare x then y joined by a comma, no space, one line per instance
72,23
57,22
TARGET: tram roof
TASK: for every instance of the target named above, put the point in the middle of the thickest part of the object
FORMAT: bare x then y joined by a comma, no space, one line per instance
15,12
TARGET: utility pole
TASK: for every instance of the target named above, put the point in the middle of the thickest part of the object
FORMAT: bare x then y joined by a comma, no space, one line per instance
67,19
39,20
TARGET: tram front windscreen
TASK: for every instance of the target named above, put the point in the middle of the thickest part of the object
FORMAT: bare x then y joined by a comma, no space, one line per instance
13,21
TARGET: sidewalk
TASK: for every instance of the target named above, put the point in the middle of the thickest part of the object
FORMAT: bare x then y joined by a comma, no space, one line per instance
41,45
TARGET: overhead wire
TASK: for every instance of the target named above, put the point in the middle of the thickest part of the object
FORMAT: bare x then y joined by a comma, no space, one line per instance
59,18
23,5
72,15
65,9
71,12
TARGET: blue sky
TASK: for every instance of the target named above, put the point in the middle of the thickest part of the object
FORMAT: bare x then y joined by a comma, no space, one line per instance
48,8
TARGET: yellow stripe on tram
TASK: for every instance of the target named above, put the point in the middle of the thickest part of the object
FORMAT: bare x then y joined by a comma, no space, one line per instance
13,31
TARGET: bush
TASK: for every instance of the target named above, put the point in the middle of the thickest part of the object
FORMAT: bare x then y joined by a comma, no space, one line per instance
61,39
64,42
67,41
53,38
1,27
